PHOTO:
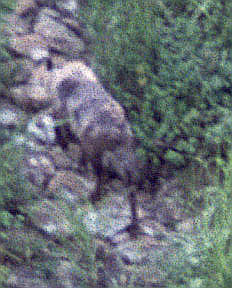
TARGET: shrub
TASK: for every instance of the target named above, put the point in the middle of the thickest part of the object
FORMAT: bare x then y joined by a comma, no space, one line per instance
8,65
168,63
208,260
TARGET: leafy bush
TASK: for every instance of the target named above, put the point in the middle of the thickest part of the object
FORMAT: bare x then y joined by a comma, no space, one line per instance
4,272
8,66
84,265
14,192
169,64
208,260
19,244
216,249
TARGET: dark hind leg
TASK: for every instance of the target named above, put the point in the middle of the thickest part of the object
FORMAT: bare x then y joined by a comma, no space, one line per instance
133,228
98,169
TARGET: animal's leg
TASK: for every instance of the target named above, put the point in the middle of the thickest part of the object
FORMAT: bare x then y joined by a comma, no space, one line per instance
97,166
133,229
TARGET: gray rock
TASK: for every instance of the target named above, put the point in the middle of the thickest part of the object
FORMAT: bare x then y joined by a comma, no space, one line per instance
25,278
38,168
110,219
10,116
42,129
34,95
70,7
25,6
57,35
70,187
49,216
68,276
31,46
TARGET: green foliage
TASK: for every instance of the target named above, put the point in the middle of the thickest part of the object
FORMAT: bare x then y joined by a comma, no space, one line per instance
13,188
169,65
4,274
216,254
20,245
8,66
14,192
85,267
7,6
207,262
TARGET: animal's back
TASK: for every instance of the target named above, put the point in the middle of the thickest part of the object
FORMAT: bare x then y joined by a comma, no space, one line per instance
97,119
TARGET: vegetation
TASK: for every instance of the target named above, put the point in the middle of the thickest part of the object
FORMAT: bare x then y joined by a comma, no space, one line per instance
216,248
12,194
208,260
168,63
12,188
8,65
19,244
